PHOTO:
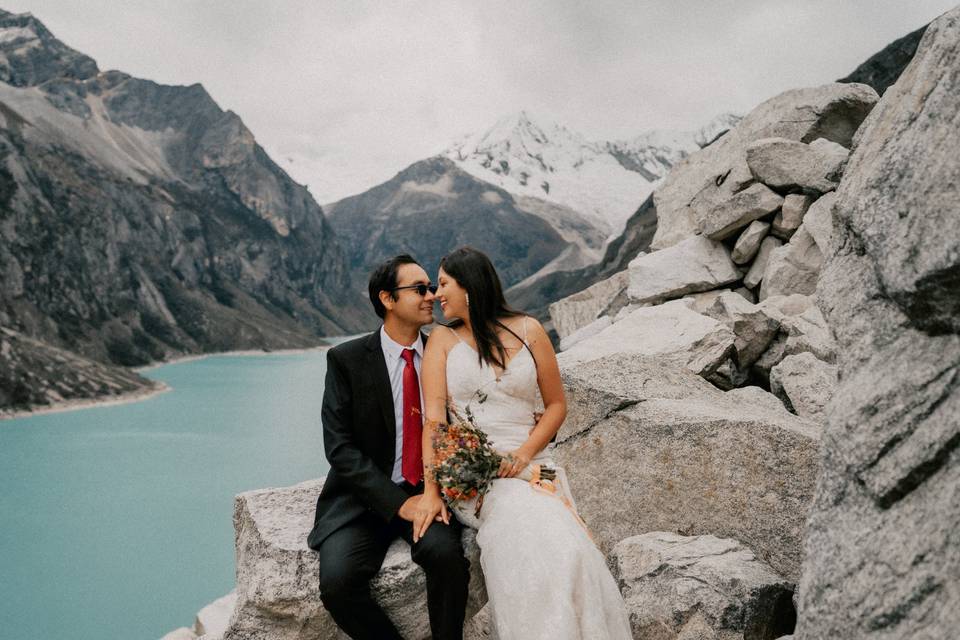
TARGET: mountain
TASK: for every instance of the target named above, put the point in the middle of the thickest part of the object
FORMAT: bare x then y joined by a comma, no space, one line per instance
884,67
605,181
433,206
140,221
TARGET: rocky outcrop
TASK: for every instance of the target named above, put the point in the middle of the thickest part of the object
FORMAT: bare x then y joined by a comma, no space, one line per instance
695,264
682,587
277,575
140,221
714,176
882,542
35,375
577,311
651,446
672,330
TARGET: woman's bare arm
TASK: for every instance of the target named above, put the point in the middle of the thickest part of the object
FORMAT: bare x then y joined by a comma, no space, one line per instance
551,390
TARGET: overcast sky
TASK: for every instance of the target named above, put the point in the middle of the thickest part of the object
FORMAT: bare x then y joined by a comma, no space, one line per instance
345,94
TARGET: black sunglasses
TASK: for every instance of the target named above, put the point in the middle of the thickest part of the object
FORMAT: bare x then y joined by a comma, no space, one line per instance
421,288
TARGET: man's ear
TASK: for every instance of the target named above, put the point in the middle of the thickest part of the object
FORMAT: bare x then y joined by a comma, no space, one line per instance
386,299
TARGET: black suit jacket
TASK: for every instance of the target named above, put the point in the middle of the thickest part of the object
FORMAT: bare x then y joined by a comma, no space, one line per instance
359,438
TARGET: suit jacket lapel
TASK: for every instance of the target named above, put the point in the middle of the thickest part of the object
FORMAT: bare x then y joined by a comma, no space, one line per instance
377,366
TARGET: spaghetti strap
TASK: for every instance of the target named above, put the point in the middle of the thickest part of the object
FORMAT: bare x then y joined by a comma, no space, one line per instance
455,335
524,329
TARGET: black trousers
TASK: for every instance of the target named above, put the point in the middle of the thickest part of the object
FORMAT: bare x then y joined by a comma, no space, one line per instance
352,555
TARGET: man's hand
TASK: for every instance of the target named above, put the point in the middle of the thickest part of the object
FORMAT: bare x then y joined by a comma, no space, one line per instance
422,510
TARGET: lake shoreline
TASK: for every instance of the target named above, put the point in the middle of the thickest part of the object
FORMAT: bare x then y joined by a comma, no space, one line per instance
146,393
88,403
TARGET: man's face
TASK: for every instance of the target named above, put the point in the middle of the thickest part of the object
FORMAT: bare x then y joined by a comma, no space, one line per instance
409,306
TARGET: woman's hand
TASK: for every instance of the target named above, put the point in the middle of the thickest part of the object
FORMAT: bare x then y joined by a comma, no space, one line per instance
431,507
513,463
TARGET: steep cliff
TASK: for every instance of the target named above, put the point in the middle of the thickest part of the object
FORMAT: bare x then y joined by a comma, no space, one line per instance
139,220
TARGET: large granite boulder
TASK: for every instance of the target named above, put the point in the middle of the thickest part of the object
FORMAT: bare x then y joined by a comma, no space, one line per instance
883,547
671,330
277,574
709,177
695,264
580,309
730,215
682,587
789,165
651,446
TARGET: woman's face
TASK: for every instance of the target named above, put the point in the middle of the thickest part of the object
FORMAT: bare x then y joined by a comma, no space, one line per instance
452,297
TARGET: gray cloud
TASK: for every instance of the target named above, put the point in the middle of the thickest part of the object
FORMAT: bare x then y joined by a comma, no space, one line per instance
344,94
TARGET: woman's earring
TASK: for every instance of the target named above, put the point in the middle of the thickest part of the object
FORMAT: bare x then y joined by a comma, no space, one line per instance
467,296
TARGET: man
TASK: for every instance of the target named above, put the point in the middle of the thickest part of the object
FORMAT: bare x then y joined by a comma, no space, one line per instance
371,435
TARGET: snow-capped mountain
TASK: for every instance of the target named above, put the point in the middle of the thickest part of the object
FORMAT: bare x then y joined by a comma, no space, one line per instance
603,180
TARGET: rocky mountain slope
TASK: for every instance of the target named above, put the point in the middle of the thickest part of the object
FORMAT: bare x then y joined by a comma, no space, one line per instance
605,180
34,374
884,67
139,221
433,206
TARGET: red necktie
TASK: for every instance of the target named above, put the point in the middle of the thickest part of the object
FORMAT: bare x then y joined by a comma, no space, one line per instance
412,463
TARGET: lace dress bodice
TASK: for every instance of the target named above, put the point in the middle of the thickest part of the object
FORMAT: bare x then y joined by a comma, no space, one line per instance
503,406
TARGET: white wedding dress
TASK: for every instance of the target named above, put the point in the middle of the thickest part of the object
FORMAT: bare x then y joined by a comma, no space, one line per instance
545,577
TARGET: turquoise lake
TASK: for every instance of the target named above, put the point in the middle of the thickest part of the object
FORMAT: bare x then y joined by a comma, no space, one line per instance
117,521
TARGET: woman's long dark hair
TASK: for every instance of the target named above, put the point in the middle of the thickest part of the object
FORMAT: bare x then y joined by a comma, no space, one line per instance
474,272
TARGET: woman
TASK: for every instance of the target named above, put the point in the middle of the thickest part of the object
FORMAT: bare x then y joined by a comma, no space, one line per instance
545,577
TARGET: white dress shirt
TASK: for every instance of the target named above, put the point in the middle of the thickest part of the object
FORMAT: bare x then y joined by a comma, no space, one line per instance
395,366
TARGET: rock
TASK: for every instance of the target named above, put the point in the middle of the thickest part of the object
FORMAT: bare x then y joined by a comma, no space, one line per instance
882,553
805,384
749,241
791,305
746,294
591,329
818,222
700,302
580,309
759,266
757,395
793,268
277,574
679,587
803,332
717,172
729,215
784,164
650,446
213,619
834,156
753,328
788,220
696,264
672,330
183,633
479,626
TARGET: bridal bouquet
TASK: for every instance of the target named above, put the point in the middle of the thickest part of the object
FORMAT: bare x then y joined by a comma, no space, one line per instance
465,462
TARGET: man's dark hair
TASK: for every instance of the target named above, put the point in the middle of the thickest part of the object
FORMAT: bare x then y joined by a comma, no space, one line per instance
384,278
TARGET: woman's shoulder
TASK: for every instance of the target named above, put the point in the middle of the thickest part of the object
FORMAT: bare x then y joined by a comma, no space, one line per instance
442,337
